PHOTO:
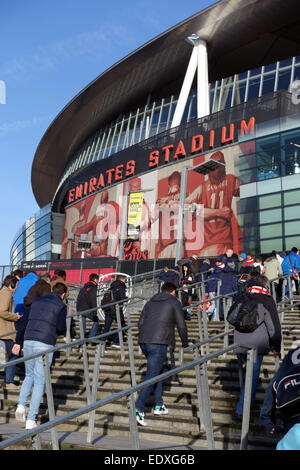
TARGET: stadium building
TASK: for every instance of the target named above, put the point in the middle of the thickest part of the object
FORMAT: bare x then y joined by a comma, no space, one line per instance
190,144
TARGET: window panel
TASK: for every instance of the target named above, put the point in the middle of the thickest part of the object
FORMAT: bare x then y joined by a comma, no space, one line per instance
292,212
272,230
266,202
291,197
292,228
267,246
269,216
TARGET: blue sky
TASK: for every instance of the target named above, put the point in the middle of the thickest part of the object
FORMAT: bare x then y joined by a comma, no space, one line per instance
50,50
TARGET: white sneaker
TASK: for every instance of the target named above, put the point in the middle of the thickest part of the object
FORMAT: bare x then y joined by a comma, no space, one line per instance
160,410
140,418
117,346
20,413
30,424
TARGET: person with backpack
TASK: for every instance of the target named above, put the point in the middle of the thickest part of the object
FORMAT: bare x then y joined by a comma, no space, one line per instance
283,394
256,323
87,299
116,293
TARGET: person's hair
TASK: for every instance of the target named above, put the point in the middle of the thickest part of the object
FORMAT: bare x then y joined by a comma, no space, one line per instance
60,273
168,287
17,272
120,277
45,277
94,277
294,249
263,280
10,281
258,258
59,288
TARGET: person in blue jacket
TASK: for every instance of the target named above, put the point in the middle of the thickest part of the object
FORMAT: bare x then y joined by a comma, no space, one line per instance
47,319
291,262
25,283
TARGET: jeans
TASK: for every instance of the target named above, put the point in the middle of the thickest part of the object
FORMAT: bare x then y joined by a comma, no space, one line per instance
10,371
255,378
94,329
34,376
156,355
109,318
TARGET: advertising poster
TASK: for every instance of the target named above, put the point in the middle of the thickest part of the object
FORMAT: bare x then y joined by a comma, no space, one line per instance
134,219
210,224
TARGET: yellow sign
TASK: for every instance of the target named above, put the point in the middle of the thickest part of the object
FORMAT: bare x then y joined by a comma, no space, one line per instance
134,215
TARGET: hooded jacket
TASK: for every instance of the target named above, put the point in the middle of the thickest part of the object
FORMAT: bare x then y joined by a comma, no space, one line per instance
158,319
290,262
87,299
23,287
47,318
268,335
273,268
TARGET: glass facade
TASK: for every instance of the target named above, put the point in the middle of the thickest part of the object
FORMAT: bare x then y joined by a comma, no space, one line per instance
270,192
33,240
156,116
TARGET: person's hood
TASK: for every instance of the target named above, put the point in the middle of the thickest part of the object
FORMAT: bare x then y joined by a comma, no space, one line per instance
271,258
32,276
117,283
89,284
162,297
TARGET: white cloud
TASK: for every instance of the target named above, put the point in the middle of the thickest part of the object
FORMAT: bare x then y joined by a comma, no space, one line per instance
47,56
16,126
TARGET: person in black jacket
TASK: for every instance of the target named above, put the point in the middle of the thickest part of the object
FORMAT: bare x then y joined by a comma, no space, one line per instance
87,299
156,332
266,337
118,288
47,318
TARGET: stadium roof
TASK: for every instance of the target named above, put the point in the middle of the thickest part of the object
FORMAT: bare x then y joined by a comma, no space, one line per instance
240,35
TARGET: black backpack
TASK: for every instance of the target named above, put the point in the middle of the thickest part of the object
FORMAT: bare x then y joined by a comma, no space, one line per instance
108,298
246,316
287,394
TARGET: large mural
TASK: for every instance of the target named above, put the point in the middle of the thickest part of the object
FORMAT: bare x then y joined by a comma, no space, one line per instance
210,224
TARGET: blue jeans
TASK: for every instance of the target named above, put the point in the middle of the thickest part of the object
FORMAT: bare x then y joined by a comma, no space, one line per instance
156,355
94,328
10,371
255,378
34,376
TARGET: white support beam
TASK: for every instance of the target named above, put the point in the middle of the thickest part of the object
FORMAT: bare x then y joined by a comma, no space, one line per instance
202,81
198,61
186,88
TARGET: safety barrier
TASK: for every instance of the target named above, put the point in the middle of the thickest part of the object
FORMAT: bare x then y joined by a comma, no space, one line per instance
200,366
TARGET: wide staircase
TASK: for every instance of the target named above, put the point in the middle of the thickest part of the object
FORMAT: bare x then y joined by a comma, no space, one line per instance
181,426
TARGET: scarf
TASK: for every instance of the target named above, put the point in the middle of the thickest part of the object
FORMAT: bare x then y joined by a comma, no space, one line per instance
249,260
258,290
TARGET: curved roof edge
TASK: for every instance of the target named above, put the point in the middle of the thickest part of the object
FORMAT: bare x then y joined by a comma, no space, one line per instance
241,34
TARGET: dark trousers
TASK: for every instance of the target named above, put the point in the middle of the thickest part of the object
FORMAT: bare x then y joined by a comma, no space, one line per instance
156,355
109,319
10,371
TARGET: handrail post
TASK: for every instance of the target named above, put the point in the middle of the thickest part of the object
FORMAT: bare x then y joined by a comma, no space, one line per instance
94,393
50,401
251,359
85,362
134,434
120,333
131,352
218,301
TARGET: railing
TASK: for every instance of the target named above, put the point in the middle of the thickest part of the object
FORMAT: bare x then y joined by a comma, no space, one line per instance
204,406
199,364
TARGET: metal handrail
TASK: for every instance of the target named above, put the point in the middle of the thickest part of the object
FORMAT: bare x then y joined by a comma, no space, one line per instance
203,402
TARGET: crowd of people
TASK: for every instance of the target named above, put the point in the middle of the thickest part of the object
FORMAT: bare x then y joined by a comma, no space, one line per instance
33,313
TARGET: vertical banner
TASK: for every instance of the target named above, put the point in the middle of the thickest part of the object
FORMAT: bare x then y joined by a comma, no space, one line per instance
135,208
